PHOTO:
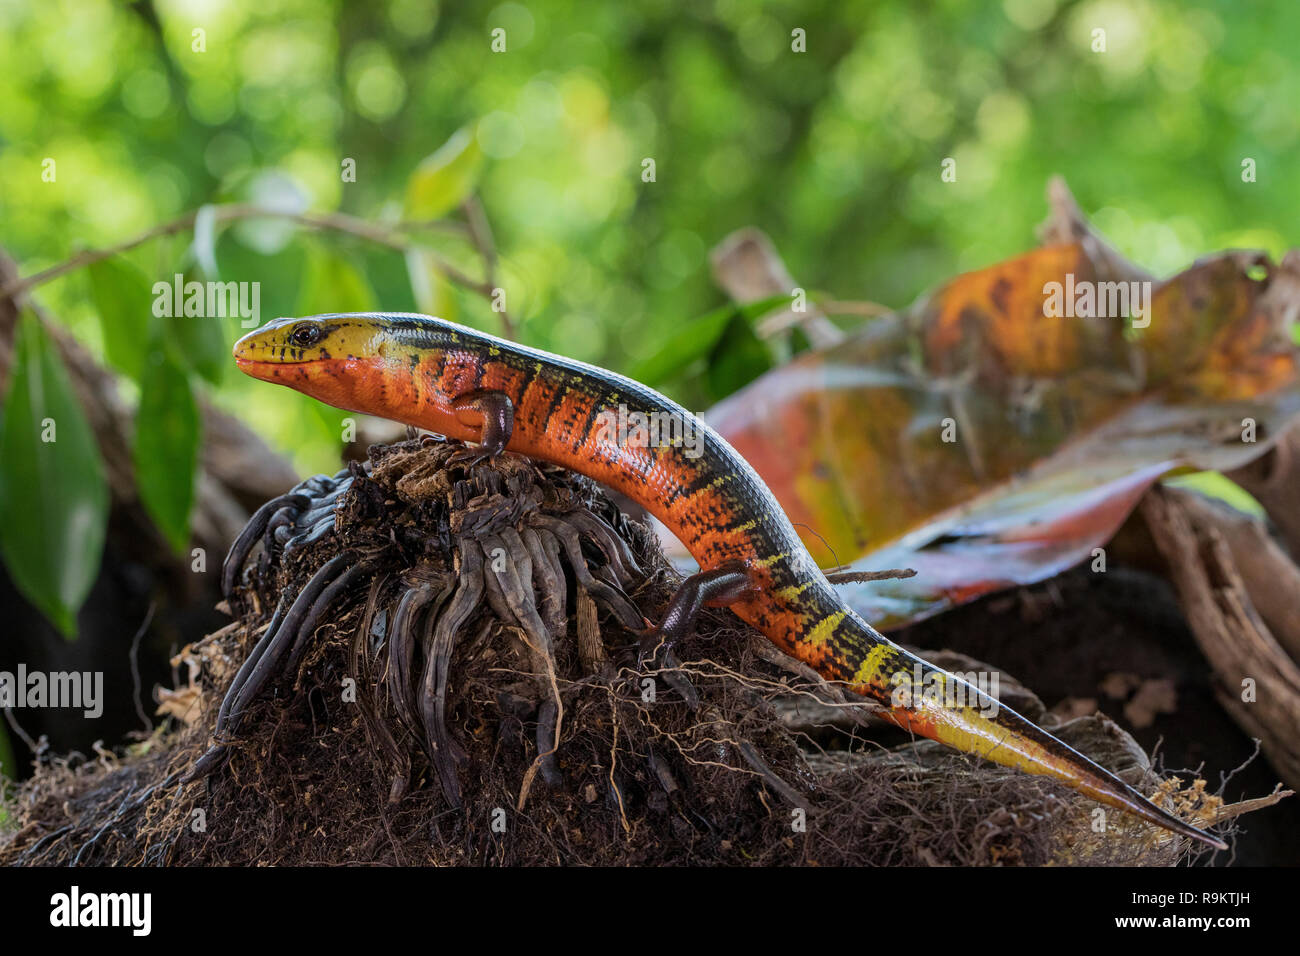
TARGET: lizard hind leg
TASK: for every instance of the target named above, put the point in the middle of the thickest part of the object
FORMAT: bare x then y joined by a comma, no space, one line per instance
718,587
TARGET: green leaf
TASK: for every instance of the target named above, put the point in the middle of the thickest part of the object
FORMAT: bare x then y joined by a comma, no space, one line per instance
333,284
696,340
167,435
799,341
445,179
205,241
1217,485
123,298
389,276
328,421
244,264
53,496
274,190
8,766
738,358
199,341
434,295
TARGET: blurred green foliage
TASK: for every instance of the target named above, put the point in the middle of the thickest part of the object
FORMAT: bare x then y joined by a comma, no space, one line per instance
53,494
835,152
8,771
150,110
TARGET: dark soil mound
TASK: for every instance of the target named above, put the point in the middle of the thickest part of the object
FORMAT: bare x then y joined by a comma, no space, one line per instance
434,661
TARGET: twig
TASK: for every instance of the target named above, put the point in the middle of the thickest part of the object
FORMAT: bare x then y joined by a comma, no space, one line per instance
390,237
17,728
869,310
135,669
1230,810
854,577
480,233
747,266
613,763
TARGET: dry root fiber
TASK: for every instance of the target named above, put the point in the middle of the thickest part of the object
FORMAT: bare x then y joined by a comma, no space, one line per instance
433,662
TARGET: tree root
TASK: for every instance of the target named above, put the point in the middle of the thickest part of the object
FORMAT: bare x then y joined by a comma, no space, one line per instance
434,662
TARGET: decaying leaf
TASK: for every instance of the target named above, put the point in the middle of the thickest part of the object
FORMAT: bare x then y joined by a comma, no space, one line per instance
987,442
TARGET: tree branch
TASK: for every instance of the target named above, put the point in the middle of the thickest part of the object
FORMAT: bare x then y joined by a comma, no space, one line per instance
391,237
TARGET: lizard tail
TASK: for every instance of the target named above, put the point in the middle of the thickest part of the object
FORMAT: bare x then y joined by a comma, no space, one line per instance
938,705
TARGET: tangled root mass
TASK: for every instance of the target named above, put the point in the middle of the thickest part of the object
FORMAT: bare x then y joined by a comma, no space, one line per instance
433,660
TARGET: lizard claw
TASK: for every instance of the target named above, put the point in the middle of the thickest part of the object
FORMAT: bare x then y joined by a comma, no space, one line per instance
655,654
651,647
470,457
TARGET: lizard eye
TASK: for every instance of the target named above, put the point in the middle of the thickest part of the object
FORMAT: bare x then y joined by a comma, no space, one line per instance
305,336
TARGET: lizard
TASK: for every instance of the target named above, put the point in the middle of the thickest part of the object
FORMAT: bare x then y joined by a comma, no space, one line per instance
474,387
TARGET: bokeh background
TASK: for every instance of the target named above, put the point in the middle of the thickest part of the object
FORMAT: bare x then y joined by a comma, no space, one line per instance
836,152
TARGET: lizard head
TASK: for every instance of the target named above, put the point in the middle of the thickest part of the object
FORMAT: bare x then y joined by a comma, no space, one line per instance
334,358
305,341
365,361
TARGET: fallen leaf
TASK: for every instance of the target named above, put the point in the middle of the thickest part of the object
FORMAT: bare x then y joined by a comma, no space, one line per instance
988,445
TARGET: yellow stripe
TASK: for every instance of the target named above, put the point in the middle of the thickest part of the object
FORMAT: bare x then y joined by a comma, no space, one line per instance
820,633
794,590
870,669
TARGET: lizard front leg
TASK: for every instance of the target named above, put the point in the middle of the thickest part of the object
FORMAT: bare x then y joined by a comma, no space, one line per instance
496,412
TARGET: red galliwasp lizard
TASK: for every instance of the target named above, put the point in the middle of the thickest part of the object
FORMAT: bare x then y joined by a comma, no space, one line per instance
474,387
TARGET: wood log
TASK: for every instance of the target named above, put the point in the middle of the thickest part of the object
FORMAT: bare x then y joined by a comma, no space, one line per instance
1257,683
